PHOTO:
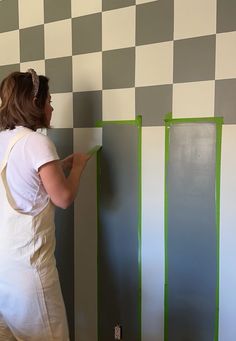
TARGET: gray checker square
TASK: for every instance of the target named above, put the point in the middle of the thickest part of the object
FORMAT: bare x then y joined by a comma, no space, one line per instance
32,43
87,108
194,59
154,22
5,70
225,100
89,30
153,102
226,14
118,68
9,19
63,139
113,4
63,10
59,71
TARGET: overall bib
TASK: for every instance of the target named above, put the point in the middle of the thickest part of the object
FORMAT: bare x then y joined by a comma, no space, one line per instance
31,303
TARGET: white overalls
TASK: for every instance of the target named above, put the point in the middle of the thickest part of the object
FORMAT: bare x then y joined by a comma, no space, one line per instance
31,304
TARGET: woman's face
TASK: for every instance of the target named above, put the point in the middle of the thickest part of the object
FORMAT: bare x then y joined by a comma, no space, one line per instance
48,109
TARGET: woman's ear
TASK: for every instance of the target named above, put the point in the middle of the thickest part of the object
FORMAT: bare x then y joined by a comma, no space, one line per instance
34,100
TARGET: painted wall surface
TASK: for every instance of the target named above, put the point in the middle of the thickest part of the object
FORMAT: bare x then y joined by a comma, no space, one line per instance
118,233
227,308
191,241
85,215
112,60
153,261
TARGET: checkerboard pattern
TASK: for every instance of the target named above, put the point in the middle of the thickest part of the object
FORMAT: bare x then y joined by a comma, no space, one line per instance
114,59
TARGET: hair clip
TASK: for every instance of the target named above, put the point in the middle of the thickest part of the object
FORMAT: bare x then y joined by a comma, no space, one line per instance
35,81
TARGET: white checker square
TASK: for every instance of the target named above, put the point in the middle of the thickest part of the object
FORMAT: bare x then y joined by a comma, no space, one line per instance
86,138
58,39
118,28
62,116
85,7
193,99
37,65
9,48
31,13
118,104
154,64
226,55
87,72
194,18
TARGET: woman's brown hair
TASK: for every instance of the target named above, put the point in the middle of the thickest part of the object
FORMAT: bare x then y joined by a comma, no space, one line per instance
19,105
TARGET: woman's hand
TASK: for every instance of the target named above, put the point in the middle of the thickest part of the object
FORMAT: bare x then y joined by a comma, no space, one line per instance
61,189
76,159
67,163
80,160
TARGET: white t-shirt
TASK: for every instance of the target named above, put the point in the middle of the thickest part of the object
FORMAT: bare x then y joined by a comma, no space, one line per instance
28,154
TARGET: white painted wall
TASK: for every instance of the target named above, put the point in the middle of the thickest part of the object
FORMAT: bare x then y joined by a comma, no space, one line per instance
153,159
227,304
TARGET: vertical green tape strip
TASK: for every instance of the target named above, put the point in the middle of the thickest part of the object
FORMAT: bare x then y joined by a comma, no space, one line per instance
218,171
98,155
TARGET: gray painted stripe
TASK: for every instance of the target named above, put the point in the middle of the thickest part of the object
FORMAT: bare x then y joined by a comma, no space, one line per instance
118,233
86,239
191,242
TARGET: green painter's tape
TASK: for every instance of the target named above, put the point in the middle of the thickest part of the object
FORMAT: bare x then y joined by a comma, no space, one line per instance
218,171
139,121
168,116
98,154
168,122
218,120
94,150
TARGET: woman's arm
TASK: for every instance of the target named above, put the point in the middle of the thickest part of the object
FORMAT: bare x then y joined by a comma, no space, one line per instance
62,190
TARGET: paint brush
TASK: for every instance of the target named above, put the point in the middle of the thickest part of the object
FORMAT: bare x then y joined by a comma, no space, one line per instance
94,150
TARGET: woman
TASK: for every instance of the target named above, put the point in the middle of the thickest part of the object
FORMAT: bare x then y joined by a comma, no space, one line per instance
32,182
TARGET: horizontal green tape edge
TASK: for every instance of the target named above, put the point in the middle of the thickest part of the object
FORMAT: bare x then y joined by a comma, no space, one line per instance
137,122
218,120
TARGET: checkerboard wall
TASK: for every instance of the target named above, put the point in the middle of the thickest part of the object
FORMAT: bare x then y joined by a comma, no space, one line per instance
113,59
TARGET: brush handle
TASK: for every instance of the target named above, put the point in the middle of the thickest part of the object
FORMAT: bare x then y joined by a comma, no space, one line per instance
94,150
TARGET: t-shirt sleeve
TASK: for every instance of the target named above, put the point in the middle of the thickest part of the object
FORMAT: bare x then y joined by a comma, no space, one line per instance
41,150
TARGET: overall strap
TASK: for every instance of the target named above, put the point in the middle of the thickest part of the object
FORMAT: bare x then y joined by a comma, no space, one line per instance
23,132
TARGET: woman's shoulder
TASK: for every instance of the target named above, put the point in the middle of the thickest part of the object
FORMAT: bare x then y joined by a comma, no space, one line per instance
38,137
32,135
39,146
